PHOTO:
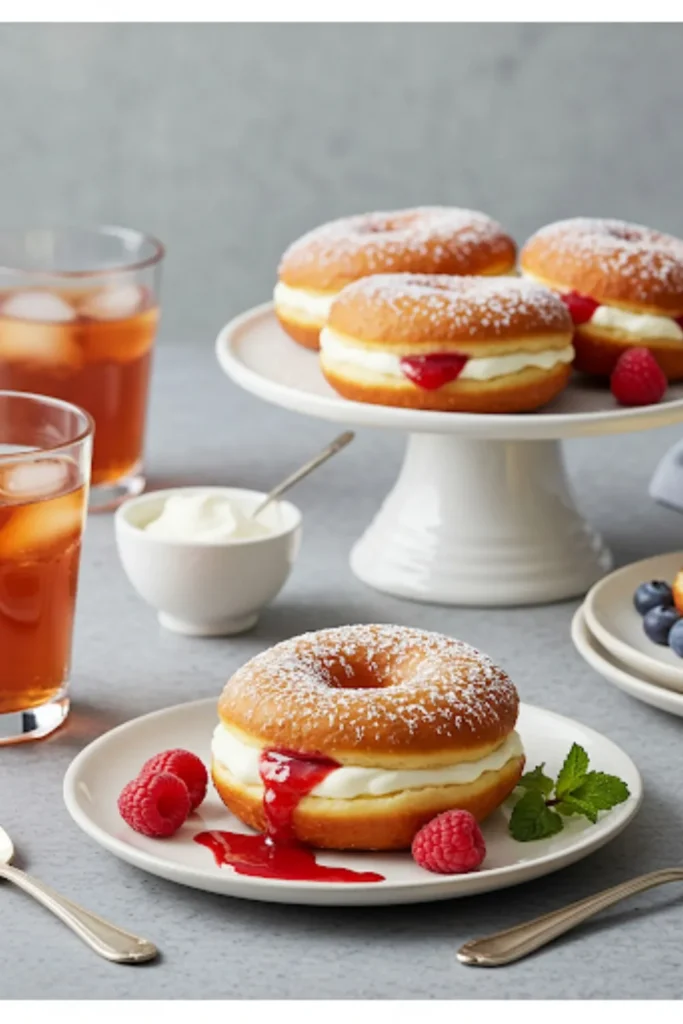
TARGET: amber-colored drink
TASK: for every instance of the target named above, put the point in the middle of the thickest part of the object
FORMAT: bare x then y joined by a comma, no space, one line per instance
91,347
42,509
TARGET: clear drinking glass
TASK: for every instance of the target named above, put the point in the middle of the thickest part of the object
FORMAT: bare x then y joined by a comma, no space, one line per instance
79,309
45,456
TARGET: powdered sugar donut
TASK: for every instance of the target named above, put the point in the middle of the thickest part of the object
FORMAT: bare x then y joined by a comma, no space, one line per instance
468,344
412,723
426,240
623,284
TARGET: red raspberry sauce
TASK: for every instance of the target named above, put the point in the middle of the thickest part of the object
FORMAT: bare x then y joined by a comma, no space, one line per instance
431,372
581,307
287,779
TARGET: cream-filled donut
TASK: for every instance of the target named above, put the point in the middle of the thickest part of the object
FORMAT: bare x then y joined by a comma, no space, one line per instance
466,344
395,724
426,240
623,284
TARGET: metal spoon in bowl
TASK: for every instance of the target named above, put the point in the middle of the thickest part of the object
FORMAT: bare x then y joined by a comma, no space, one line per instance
106,939
327,453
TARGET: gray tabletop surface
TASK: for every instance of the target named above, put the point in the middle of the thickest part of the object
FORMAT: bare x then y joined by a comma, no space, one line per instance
202,429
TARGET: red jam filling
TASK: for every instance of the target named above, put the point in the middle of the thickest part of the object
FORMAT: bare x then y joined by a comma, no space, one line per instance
581,307
287,779
431,372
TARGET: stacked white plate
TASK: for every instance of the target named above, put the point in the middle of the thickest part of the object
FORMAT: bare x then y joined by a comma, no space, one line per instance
608,633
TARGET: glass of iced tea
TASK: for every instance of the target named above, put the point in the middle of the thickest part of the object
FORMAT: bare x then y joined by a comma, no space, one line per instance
79,309
45,456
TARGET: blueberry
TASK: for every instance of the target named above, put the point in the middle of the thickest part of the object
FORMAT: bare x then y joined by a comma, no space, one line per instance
655,594
676,638
658,623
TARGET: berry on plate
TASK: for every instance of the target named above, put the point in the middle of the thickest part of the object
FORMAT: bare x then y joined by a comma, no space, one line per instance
450,844
155,804
638,379
676,638
655,594
187,766
658,623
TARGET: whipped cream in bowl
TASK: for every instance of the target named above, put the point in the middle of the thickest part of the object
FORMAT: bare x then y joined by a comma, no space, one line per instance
201,558
212,517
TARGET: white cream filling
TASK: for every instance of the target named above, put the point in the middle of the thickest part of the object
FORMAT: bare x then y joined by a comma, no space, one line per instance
298,300
637,325
335,350
345,783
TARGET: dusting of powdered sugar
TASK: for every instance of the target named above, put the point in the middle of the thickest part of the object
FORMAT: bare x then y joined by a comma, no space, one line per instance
388,240
633,251
466,304
428,682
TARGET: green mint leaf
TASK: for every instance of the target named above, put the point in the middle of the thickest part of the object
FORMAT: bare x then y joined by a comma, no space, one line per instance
532,819
572,772
565,809
537,781
573,805
601,791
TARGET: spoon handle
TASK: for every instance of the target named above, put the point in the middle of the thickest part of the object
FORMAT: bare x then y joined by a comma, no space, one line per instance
111,942
514,943
317,460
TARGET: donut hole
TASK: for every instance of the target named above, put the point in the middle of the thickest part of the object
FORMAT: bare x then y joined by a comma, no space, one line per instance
626,233
356,676
388,225
384,227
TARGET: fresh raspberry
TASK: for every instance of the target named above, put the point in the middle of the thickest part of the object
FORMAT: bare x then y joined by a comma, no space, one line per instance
638,379
450,844
186,766
156,805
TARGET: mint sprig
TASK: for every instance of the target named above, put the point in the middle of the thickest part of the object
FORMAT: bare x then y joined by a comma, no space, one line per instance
539,811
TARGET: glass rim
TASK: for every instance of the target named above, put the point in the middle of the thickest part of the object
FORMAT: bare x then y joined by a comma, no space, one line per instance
54,403
99,229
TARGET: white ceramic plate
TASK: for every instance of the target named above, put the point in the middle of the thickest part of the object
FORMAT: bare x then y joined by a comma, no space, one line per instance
256,353
97,775
614,672
615,623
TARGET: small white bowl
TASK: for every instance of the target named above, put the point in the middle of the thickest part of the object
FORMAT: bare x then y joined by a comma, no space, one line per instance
206,589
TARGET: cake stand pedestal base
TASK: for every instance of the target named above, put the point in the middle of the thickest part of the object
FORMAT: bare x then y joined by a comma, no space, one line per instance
480,522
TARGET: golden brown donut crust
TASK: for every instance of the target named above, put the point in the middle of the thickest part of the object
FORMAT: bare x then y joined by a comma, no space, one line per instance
370,694
371,823
307,335
424,240
611,261
419,310
526,391
597,352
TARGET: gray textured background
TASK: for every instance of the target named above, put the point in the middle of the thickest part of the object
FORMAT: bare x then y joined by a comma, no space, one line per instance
229,140
226,142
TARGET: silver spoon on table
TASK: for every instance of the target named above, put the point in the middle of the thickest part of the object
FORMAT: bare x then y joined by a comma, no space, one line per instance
317,460
106,939
514,943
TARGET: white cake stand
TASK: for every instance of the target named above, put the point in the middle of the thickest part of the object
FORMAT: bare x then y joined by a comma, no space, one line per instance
482,512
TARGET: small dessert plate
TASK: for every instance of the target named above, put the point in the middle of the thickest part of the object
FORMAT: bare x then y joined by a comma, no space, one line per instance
612,670
96,776
613,620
